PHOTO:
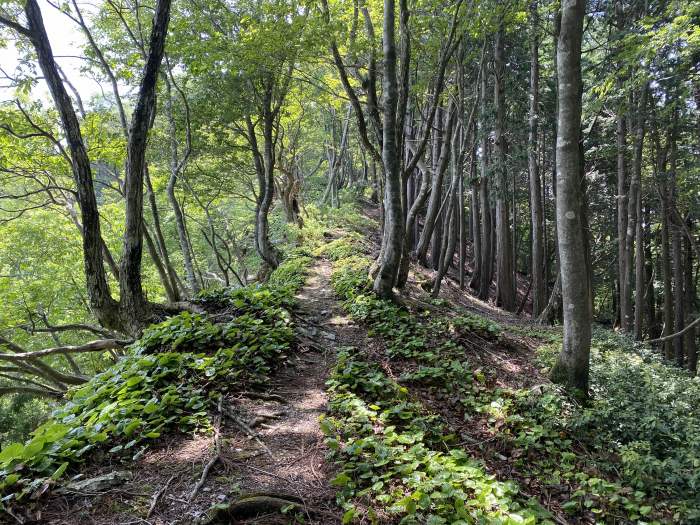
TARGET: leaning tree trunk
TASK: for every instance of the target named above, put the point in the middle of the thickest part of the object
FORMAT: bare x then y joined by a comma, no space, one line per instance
175,169
393,221
572,367
103,306
435,197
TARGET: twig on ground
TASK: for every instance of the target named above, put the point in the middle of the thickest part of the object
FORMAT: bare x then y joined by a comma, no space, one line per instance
217,455
158,495
233,417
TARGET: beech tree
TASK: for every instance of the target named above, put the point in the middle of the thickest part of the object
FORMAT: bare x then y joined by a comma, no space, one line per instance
572,367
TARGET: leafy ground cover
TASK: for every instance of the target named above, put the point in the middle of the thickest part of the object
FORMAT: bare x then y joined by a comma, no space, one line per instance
169,380
628,456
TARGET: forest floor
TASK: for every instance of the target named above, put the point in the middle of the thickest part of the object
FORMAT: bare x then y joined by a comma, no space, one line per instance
362,376
285,459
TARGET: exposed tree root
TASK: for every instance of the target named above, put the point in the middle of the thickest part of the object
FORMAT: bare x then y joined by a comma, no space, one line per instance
250,506
249,431
158,495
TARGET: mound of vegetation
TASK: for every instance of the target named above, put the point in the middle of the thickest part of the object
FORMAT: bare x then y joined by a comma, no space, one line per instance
630,455
169,380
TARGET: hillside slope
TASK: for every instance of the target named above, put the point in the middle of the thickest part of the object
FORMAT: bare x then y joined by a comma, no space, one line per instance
308,400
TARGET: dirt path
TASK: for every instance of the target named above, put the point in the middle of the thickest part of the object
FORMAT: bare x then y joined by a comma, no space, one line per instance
283,456
297,466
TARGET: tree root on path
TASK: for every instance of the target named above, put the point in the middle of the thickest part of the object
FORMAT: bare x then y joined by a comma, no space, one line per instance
251,505
249,431
263,396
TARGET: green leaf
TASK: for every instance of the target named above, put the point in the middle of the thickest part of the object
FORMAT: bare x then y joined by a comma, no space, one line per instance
59,471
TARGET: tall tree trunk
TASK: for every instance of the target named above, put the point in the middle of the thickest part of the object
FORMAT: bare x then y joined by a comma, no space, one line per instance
168,274
393,233
668,328
435,198
505,287
101,302
175,170
536,222
133,304
640,278
649,293
689,306
485,201
572,367
452,217
676,252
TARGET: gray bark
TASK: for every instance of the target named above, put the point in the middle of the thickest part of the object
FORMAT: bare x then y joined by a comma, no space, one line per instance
536,215
392,238
572,367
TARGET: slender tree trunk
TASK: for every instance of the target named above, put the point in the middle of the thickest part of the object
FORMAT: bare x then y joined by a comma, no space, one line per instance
536,222
640,278
572,367
393,223
175,169
169,276
650,293
668,328
485,201
505,287
435,198
676,253
476,229
689,306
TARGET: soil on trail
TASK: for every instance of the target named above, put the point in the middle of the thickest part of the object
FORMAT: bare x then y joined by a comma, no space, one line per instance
283,456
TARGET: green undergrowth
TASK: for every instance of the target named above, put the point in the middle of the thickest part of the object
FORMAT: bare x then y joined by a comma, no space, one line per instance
646,413
167,381
608,462
397,457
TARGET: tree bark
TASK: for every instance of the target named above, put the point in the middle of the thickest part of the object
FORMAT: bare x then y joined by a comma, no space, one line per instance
505,287
536,216
134,308
572,367
440,167
392,238
103,306
640,278
176,168
485,201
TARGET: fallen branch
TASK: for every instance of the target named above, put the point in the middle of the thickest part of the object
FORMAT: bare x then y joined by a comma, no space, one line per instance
217,456
92,346
157,496
250,432
671,336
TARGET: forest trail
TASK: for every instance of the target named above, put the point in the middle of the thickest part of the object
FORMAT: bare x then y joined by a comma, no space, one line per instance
283,456
299,467
295,466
